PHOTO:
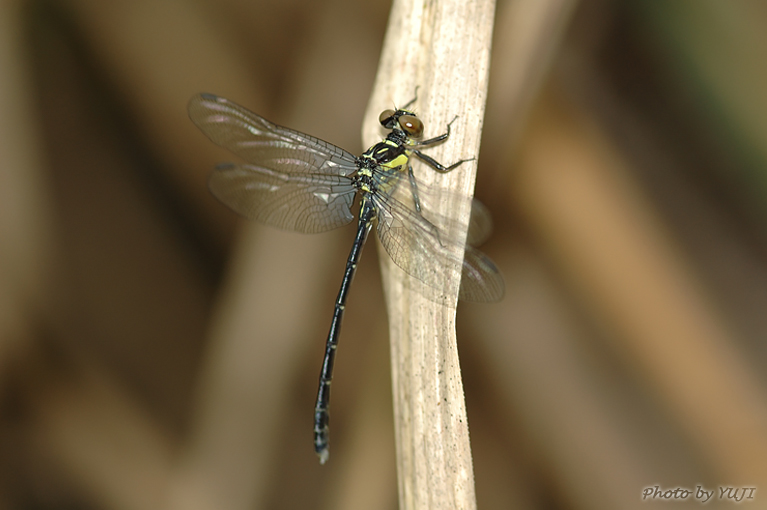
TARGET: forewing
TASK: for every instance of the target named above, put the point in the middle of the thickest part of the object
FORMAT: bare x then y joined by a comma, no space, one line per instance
306,203
265,144
480,224
425,252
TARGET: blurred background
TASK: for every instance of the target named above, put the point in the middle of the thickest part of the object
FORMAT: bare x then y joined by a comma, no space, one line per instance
157,352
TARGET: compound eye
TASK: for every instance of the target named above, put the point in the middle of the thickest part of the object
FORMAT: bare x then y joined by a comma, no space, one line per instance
387,119
411,125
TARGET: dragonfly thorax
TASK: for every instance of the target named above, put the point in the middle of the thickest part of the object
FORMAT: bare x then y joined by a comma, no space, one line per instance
386,151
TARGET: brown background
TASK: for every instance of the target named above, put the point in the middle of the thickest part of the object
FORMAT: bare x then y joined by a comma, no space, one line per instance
625,167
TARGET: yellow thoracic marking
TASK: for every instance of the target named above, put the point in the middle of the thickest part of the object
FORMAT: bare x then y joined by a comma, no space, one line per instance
382,172
400,161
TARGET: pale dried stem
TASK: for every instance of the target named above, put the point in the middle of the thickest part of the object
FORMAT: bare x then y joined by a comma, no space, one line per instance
443,48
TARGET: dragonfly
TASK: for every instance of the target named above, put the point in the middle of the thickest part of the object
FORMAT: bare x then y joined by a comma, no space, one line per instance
294,181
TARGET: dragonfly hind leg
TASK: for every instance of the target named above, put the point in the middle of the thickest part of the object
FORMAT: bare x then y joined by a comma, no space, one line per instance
417,203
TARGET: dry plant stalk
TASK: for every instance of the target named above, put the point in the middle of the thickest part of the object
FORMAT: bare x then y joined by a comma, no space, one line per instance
443,48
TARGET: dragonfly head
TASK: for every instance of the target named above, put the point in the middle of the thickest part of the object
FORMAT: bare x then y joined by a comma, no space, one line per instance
404,120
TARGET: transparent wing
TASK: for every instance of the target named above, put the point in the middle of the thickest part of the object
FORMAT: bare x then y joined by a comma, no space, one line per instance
306,203
427,253
265,144
481,282
480,224
480,221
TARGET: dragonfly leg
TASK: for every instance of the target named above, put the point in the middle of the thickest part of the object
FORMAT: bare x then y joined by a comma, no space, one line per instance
436,165
414,188
440,138
409,103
